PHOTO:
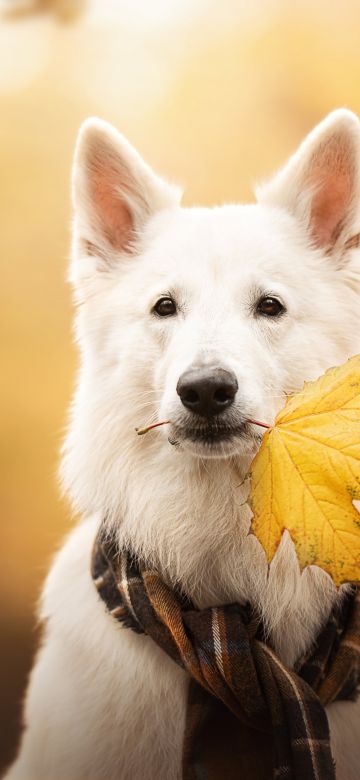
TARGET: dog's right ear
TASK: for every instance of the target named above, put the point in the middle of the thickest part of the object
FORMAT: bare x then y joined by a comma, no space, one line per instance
114,194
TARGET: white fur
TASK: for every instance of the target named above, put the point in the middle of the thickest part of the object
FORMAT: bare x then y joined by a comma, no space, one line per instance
104,703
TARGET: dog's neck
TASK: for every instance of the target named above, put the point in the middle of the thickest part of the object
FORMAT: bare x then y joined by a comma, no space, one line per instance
193,522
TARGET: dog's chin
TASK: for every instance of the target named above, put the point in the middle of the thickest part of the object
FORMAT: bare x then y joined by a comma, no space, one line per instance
215,440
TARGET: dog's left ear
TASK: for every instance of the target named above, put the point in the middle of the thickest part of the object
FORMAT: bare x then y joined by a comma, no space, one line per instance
320,183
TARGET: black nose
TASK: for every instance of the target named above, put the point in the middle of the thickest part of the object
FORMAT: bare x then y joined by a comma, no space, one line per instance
207,391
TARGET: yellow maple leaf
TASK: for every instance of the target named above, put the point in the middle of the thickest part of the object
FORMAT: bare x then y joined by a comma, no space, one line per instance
306,475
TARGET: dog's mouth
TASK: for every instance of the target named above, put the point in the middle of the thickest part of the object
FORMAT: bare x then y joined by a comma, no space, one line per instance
214,433
215,437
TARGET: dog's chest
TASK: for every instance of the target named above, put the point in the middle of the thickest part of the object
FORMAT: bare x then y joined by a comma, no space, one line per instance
132,695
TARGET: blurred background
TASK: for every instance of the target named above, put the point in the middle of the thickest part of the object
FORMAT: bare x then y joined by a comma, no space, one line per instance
215,96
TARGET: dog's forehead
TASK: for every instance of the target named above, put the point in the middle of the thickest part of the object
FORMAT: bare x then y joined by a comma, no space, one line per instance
242,237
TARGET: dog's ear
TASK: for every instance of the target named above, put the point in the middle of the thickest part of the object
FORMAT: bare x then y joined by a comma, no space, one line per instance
114,194
320,183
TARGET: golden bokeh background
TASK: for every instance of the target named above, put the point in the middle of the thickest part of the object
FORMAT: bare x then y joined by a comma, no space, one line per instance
215,96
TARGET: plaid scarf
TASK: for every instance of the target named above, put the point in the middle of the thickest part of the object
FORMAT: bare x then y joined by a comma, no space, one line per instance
248,715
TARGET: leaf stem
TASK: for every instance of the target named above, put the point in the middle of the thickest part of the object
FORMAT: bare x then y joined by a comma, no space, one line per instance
141,431
257,422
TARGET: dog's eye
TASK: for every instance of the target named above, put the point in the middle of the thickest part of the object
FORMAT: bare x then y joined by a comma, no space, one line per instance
165,307
270,307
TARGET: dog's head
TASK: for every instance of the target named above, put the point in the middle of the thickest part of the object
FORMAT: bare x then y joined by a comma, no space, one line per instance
206,317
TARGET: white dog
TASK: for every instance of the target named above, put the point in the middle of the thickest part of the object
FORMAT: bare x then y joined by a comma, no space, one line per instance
203,317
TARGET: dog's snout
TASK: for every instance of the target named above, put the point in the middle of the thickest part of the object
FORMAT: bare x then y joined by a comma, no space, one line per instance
207,391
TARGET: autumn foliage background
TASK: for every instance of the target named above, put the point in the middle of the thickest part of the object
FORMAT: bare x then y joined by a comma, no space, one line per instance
215,96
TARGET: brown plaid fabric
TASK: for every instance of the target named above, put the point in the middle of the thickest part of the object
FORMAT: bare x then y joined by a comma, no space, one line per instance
249,716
